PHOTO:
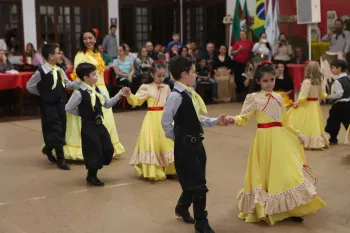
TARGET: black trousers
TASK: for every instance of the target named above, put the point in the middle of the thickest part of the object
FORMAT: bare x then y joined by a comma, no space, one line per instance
96,145
190,163
339,114
238,69
53,123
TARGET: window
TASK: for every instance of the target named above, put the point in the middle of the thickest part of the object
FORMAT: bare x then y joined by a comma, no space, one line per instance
199,25
141,26
11,26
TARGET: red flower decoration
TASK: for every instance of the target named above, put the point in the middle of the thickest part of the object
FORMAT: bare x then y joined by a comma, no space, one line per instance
95,31
305,165
155,61
265,63
307,62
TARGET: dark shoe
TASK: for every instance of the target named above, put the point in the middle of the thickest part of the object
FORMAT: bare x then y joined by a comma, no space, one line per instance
202,226
333,141
49,155
92,178
297,219
181,211
94,181
61,164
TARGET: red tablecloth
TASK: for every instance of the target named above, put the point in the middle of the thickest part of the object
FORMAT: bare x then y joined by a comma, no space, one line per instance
296,73
106,75
12,81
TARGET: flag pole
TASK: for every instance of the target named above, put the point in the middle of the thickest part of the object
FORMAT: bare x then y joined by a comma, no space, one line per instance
309,39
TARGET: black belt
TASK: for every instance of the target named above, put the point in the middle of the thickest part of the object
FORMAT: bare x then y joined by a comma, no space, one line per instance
193,139
97,120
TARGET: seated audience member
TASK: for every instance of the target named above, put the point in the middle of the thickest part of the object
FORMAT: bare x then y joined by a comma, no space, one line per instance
299,57
32,57
5,64
123,68
128,54
174,51
203,75
248,77
167,79
106,58
142,64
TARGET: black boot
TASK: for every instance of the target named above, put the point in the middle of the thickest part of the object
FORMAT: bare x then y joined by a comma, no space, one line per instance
297,219
92,178
48,152
200,214
181,209
61,162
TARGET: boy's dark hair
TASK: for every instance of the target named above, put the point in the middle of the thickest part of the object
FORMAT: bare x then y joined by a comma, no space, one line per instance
48,49
112,26
84,69
260,71
176,34
342,64
179,64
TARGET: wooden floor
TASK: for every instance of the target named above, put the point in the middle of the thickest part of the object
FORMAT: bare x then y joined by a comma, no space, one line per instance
35,197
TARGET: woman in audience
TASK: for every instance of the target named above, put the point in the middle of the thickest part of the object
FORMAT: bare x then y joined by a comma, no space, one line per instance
123,67
184,52
283,50
223,76
284,85
5,64
32,57
143,64
261,50
174,51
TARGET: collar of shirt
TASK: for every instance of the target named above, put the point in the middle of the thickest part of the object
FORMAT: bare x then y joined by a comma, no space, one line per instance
342,75
47,69
84,88
180,88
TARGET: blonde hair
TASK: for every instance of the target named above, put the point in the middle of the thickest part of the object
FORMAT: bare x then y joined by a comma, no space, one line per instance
313,72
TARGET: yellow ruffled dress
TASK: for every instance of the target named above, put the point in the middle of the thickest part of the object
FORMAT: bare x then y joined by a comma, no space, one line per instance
278,184
308,117
73,150
153,156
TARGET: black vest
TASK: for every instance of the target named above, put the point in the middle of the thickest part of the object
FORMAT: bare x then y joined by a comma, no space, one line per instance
345,83
47,95
186,121
85,109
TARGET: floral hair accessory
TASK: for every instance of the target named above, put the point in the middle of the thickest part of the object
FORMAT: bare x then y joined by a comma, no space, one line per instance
95,31
264,63
307,62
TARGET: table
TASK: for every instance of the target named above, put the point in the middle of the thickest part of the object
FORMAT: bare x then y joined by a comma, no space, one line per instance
296,73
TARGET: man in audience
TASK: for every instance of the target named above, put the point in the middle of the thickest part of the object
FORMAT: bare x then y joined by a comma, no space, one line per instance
110,42
209,55
151,53
106,58
299,56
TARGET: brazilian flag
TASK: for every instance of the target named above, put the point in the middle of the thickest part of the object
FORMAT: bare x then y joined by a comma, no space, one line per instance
259,18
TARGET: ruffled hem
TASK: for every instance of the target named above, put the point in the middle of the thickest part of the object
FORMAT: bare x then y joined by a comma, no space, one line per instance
152,172
75,152
316,142
151,158
281,202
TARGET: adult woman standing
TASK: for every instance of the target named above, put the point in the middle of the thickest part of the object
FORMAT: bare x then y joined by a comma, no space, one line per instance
89,53
223,76
241,52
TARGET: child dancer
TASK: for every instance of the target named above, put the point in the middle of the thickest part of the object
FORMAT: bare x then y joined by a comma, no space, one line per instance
306,114
183,107
278,184
50,82
153,156
87,103
340,111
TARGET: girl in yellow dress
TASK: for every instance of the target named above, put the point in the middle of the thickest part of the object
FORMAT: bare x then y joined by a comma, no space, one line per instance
89,54
284,84
306,114
153,157
278,183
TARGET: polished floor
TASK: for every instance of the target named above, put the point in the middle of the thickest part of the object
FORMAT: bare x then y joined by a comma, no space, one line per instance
35,197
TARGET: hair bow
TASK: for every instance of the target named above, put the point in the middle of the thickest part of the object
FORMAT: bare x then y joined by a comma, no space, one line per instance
264,63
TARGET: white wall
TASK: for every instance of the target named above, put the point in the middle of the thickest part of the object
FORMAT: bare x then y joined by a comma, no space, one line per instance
29,22
113,12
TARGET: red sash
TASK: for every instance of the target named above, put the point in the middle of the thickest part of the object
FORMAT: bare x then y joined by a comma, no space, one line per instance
312,99
156,109
269,125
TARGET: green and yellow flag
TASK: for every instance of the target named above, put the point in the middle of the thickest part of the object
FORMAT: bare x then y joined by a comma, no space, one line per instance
259,18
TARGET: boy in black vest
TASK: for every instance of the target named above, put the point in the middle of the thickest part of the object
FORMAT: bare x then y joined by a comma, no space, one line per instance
183,108
87,103
340,111
51,82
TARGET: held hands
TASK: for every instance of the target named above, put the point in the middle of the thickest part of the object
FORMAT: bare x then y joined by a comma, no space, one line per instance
296,105
125,91
224,120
